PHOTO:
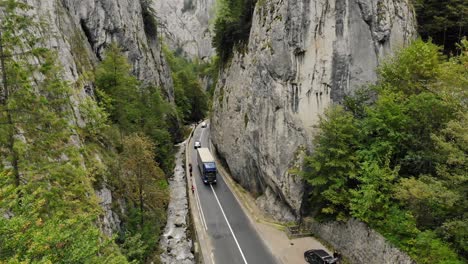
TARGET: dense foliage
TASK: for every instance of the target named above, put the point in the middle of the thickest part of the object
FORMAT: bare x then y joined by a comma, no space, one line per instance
232,26
190,99
395,156
143,121
43,216
51,168
446,22
134,107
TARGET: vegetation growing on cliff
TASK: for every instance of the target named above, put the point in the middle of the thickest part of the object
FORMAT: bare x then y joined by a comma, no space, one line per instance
192,102
143,121
232,26
51,168
43,216
399,162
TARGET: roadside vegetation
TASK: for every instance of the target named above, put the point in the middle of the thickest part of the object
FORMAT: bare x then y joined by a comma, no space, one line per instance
395,155
137,137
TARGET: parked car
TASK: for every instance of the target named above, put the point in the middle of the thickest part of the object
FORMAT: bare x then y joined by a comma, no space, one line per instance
319,256
197,144
203,124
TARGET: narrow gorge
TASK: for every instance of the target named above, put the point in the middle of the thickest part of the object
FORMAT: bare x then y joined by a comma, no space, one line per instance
220,131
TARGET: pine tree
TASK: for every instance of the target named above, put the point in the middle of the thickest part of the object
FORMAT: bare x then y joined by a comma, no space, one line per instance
118,89
146,192
47,210
141,174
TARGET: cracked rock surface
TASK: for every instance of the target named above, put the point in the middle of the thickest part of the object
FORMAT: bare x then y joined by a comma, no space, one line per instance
302,56
186,25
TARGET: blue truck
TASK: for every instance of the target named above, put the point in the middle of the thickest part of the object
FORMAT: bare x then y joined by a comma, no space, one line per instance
207,165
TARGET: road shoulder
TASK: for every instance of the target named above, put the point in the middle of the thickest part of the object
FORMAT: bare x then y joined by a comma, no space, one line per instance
272,233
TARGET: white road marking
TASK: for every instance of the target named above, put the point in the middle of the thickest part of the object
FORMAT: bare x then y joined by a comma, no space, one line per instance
229,225
212,258
200,208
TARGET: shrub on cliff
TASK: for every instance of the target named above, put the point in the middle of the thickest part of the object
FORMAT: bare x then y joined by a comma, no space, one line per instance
232,26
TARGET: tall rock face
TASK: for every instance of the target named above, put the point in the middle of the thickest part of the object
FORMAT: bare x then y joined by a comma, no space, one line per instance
185,25
303,55
80,30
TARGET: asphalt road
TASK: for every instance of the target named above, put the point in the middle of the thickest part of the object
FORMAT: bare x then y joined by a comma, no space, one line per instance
234,239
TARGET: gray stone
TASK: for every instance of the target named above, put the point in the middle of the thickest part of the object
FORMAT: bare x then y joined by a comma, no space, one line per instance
301,57
80,30
359,243
110,221
175,243
186,26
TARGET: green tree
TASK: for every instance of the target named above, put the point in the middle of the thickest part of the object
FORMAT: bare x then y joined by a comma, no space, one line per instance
141,174
118,88
395,156
452,172
191,100
42,181
136,108
145,186
232,26
446,22
332,168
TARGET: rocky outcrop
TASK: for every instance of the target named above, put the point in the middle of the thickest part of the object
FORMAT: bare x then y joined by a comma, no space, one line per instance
359,243
186,26
302,56
110,221
80,30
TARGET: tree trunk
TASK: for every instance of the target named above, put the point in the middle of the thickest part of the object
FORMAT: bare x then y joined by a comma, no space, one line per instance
141,206
140,193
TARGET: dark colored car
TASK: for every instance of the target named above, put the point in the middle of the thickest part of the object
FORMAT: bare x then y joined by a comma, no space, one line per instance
319,256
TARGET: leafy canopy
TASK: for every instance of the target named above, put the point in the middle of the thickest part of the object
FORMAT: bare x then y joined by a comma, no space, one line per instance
398,162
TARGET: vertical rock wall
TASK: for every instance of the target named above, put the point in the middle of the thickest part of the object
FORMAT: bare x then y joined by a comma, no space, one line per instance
185,25
302,56
80,30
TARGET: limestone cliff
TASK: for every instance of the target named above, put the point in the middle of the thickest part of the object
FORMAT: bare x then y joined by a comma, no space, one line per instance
185,25
302,56
80,30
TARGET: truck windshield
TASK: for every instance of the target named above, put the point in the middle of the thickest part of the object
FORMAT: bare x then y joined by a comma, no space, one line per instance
210,166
